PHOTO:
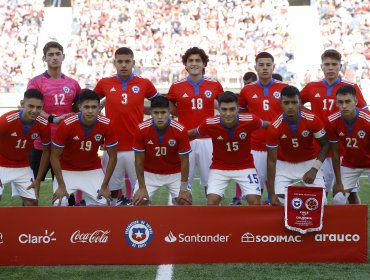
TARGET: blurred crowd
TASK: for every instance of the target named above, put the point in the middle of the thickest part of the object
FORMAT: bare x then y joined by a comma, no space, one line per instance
159,32
345,26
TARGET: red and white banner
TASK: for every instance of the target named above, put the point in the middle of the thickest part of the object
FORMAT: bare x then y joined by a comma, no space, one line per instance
304,208
175,234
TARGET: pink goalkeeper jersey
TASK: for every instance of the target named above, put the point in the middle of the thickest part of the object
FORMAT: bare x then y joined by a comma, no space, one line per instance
59,95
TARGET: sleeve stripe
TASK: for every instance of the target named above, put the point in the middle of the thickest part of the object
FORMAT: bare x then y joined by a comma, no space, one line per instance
112,145
333,141
272,146
138,150
185,153
56,145
46,144
156,94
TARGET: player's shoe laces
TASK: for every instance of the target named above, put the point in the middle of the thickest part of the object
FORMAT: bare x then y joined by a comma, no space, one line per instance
124,201
71,200
236,201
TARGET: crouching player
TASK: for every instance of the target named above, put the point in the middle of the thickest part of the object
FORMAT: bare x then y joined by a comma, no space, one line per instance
291,155
349,127
74,155
18,131
161,155
232,158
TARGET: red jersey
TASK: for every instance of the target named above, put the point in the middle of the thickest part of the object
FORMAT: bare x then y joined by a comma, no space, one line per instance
59,95
264,102
16,138
321,95
354,137
295,140
162,148
195,101
231,146
80,144
125,104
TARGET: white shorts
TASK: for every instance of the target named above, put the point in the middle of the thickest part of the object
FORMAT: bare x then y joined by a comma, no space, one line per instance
89,182
288,173
246,178
125,164
260,162
154,181
350,177
201,157
20,179
328,174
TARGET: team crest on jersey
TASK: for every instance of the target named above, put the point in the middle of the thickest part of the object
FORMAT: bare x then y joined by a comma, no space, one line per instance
135,89
98,137
305,133
34,136
172,142
361,134
276,94
66,89
242,135
208,93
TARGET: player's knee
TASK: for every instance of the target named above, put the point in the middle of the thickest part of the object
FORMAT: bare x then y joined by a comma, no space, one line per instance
281,199
213,199
30,202
340,198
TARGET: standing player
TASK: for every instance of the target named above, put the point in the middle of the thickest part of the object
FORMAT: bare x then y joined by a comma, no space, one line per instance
74,153
18,131
351,128
60,93
262,99
124,104
291,155
321,95
161,155
248,78
232,158
194,99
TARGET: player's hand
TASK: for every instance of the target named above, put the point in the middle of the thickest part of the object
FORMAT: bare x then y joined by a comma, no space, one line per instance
57,120
309,176
338,187
59,194
36,186
274,200
105,192
184,198
141,197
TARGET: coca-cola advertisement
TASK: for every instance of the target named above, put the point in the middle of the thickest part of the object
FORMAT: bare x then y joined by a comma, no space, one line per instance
97,236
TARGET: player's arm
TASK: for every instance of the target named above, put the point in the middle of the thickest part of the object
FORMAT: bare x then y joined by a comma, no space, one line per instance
265,124
44,164
173,108
185,196
271,172
338,185
112,161
310,175
141,197
55,163
193,133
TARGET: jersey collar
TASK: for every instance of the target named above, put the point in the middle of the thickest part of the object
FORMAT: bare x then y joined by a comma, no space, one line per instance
125,82
266,87
46,75
330,87
195,85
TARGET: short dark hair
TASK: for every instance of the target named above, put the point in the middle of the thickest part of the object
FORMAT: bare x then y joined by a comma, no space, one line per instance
33,93
346,89
195,50
250,76
227,97
88,94
124,50
159,102
264,55
331,53
277,76
50,45
290,91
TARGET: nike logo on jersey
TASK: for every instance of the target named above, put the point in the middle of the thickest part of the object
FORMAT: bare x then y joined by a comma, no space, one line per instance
220,138
255,96
185,95
317,95
150,142
341,134
112,89
14,134
283,136
76,138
